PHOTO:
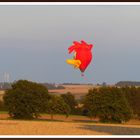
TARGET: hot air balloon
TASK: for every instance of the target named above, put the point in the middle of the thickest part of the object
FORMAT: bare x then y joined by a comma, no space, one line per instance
82,55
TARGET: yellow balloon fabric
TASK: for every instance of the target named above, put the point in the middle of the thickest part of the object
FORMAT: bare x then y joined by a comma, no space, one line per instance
75,63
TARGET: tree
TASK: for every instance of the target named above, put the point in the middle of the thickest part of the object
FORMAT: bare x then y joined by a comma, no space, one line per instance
108,104
56,105
133,96
2,106
89,102
26,99
70,100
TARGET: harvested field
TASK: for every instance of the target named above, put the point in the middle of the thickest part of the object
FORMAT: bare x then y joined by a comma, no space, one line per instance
2,91
1,94
42,128
74,125
12,127
77,90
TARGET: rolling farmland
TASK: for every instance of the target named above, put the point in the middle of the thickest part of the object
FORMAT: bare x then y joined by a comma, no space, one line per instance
77,90
73,125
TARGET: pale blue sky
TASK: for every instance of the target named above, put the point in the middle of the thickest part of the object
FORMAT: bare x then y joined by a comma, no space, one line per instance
34,42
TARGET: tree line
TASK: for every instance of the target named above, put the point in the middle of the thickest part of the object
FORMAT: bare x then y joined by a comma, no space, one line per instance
127,83
28,100
7,85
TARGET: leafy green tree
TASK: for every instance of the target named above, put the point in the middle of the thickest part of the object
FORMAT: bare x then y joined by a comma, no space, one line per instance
57,105
71,101
26,99
133,96
2,106
91,103
108,104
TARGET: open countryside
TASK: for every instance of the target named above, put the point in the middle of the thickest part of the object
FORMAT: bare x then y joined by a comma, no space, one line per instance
73,125
77,90
69,69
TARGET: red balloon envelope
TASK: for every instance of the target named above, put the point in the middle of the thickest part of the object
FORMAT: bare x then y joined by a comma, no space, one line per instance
83,55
